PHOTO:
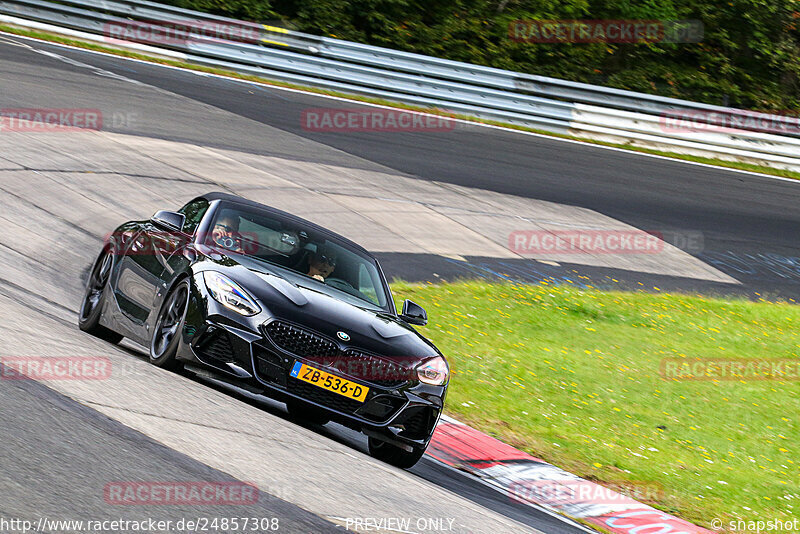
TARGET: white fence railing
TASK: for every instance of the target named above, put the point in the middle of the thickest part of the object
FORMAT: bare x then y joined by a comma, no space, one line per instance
544,103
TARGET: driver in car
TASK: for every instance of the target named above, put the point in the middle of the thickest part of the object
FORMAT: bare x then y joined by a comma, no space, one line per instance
322,263
226,233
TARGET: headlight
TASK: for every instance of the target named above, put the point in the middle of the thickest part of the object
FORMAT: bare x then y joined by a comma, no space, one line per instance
434,372
230,294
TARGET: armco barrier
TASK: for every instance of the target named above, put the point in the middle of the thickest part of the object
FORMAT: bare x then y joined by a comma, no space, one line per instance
400,61
650,131
535,101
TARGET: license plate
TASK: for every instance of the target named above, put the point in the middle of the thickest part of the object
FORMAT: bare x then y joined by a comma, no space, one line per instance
330,382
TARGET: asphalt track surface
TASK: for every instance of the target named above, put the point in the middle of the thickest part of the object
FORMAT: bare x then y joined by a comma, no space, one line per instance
746,216
56,453
62,442
749,224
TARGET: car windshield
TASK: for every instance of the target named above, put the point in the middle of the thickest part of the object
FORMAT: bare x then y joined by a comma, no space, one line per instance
303,251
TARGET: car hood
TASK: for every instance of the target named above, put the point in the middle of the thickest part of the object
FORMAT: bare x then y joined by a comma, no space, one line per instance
368,330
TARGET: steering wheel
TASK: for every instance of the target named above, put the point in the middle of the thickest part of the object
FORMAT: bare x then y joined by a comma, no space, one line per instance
233,243
340,284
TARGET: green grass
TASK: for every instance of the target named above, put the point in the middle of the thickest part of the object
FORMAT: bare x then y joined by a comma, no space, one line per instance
572,376
46,36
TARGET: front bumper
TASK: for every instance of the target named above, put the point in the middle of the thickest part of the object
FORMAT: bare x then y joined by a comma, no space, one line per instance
402,412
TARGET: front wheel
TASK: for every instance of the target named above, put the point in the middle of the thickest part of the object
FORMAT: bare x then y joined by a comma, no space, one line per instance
167,331
394,455
92,305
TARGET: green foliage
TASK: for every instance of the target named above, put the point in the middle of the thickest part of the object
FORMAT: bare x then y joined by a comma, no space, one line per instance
255,10
749,57
576,377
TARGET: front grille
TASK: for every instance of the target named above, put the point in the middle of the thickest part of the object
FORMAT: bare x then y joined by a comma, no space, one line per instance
301,342
323,396
325,353
374,369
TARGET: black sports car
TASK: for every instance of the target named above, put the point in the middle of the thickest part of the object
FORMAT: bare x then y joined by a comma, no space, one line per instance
278,305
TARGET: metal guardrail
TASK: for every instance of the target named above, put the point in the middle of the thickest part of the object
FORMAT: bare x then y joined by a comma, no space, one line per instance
295,67
535,101
428,66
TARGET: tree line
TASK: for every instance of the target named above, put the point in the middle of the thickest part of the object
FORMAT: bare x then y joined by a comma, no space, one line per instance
748,55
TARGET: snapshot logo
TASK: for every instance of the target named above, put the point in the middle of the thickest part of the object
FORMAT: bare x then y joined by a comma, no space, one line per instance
568,492
372,120
49,119
747,369
758,525
181,493
779,123
606,31
179,32
55,368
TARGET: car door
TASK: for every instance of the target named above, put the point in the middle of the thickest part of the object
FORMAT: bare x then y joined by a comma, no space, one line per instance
175,252
151,256
139,277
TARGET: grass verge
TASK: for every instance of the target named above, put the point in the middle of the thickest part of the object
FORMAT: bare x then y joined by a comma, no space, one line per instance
46,36
573,376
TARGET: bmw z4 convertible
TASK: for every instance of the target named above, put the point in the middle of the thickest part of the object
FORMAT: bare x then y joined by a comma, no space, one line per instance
274,304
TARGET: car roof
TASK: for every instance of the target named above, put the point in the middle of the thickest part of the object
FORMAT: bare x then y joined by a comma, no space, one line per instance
235,199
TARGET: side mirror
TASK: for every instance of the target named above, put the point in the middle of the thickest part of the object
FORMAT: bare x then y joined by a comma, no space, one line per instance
171,220
413,313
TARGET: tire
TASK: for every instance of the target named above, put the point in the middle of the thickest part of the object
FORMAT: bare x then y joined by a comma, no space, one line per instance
394,455
168,327
305,412
92,304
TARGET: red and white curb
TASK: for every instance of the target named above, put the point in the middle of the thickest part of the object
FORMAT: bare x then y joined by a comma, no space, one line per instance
533,481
